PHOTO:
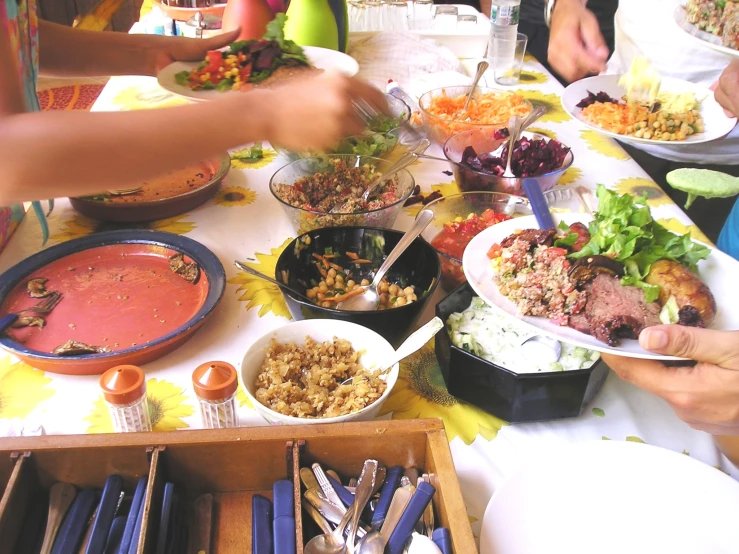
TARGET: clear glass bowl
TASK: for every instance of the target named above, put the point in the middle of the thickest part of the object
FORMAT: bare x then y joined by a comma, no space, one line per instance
367,143
442,129
460,206
304,220
484,140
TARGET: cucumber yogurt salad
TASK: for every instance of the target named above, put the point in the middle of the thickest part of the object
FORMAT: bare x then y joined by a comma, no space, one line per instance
496,337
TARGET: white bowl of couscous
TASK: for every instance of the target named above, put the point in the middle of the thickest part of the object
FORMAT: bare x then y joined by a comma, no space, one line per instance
293,374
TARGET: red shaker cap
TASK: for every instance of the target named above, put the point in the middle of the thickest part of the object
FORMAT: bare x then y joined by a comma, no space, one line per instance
214,380
123,384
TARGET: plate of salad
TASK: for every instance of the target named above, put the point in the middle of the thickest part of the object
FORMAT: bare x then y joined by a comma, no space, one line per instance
247,64
597,281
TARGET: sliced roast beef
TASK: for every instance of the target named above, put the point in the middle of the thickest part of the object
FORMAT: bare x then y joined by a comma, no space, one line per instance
615,312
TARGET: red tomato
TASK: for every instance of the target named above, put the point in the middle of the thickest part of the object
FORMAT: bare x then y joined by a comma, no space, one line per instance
214,59
495,251
245,72
583,236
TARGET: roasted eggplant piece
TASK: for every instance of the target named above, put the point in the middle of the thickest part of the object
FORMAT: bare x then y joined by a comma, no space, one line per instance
37,288
190,272
689,317
29,321
676,280
74,348
586,269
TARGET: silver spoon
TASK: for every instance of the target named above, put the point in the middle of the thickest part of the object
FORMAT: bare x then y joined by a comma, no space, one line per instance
404,161
514,129
533,115
482,67
410,345
244,267
369,299
550,346
333,543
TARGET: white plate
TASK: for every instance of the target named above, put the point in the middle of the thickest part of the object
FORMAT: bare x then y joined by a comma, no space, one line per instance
322,58
718,272
613,497
706,39
716,124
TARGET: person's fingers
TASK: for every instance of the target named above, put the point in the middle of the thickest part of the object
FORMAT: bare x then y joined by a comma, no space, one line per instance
714,86
649,375
595,53
723,99
702,345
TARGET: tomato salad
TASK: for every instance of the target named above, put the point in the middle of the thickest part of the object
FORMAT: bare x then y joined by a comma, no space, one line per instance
246,62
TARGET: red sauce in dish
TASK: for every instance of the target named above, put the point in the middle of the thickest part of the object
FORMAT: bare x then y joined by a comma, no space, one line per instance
456,235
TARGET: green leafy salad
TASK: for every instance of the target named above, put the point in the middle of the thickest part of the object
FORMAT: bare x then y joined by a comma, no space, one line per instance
624,230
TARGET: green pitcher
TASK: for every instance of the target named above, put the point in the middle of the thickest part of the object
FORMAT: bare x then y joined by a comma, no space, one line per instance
312,23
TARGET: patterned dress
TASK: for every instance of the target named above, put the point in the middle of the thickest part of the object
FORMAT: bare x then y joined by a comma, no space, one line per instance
19,22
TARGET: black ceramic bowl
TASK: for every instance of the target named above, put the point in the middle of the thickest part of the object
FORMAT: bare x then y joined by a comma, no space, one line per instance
418,266
513,397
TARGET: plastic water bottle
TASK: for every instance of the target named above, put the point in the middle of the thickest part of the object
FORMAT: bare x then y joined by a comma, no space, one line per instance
503,25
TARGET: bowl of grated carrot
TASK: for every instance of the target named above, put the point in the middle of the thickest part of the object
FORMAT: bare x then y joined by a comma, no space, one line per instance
443,112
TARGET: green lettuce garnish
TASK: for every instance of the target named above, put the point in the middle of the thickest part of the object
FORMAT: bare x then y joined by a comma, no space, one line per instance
623,229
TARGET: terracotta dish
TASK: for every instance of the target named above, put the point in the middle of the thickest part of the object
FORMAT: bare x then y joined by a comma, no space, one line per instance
174,193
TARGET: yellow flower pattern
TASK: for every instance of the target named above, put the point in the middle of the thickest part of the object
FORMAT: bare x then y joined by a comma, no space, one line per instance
555,111
268,156
81,226
638,186
167,406
134,98
546,132
533,78
446,189
604,145
22,388
677,226
257,292
421,393
242,399
570,176
235,196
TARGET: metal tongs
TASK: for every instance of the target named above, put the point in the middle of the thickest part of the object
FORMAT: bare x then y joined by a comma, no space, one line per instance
369,113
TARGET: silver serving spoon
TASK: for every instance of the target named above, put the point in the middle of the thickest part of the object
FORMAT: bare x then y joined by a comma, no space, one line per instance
410,345
514,129
404,161
482,67
370,298
533,115
333,543
261,275
545,347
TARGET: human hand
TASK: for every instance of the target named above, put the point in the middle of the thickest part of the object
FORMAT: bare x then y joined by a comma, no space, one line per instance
726,89
576,46
704,395
182,49
316,112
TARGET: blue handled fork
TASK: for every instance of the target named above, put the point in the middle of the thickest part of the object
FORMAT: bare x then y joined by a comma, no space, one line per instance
43,307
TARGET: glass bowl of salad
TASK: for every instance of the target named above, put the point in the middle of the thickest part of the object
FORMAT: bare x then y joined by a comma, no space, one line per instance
479,164
310,188
458,219
378,139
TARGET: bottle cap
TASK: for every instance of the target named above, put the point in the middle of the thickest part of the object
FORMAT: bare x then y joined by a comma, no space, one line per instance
123,384
214,380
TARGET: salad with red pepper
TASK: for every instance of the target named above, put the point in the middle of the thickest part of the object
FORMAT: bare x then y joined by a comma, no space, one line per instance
245,62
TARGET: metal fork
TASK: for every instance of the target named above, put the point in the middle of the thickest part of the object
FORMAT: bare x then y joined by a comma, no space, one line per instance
124,192
44,306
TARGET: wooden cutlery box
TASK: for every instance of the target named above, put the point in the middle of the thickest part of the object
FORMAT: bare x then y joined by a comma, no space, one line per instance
230,464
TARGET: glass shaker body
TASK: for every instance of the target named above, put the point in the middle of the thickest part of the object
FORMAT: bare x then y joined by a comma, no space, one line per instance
124,391
215,385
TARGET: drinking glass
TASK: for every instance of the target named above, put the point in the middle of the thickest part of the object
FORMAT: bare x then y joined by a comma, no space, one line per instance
399,15
508,69
373,16
357,16
423,15
445,18
466,23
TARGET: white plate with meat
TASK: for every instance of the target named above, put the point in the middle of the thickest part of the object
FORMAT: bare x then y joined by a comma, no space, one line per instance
709,40
608,309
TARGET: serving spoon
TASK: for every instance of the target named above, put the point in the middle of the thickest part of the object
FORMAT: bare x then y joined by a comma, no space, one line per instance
482,67
244,267
370,298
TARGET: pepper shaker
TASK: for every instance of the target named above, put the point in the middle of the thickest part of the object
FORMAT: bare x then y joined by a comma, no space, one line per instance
215,385
124,391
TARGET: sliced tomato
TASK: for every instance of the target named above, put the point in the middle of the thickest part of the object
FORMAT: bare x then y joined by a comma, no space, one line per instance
495,251
245,72
583,236
214,59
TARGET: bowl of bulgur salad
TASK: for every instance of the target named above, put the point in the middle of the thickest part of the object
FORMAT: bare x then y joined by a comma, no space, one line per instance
309,188
332,263
295,374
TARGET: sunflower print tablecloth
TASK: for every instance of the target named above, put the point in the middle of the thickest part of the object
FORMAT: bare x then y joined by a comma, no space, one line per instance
243,221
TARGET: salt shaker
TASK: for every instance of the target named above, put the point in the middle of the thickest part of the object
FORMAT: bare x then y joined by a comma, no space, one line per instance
124,391
215,386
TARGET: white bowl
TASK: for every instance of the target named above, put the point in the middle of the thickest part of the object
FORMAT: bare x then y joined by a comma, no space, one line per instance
375,350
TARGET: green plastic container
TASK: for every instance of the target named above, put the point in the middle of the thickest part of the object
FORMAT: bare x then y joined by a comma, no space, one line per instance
312,23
